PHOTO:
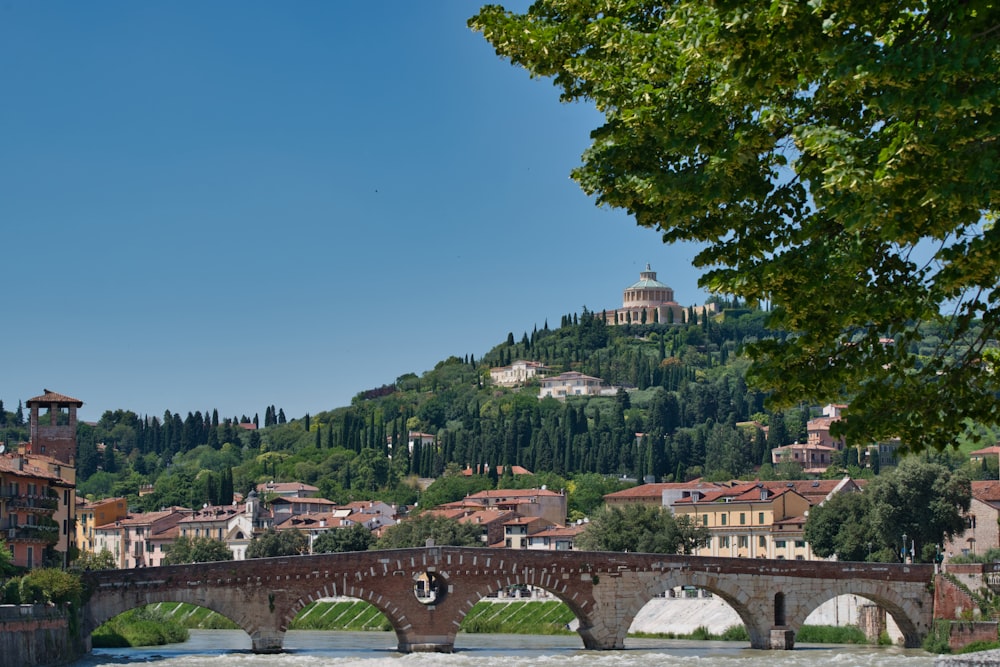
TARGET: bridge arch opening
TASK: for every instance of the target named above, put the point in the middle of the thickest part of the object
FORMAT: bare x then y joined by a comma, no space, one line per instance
164,622
683,610
516,605
878,616
339,614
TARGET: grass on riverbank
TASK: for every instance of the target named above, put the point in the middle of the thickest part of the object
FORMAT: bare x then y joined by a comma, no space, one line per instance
139,627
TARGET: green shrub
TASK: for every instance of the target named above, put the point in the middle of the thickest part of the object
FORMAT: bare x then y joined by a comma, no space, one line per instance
830,634
937,638
979,646
735,633
145,626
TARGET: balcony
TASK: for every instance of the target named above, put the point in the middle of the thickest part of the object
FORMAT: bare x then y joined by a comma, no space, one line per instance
32,503
43,534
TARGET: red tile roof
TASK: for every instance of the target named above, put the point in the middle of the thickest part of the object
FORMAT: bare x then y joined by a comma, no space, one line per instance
50,397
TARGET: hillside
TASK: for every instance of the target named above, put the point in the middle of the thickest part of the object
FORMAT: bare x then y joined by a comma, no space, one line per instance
679,413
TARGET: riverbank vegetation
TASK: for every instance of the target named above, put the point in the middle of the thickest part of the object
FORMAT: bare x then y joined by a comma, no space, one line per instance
145,626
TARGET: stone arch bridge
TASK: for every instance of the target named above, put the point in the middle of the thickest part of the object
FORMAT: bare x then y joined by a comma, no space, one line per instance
604,590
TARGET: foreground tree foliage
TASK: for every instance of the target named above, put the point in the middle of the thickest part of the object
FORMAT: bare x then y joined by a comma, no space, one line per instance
641,528
925,501
835,159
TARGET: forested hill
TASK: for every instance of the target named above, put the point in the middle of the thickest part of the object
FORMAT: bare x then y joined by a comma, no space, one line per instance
683,389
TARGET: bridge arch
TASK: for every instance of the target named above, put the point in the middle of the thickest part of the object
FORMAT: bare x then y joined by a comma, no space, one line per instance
906,609
111,606
728,589
470,591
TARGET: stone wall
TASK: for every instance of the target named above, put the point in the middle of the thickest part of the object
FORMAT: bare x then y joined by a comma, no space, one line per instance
37,636
951,602
964,633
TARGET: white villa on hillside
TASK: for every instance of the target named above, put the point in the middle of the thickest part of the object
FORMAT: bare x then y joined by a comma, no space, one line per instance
574,384
517,373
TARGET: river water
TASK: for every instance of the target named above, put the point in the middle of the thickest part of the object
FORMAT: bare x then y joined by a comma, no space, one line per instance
225,648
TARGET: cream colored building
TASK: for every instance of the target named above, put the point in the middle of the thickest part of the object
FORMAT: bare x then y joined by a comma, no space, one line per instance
649,301
90,515
750,520
982,532
574,384
517,373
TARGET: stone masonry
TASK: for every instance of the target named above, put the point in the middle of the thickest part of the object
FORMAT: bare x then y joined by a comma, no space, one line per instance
604,590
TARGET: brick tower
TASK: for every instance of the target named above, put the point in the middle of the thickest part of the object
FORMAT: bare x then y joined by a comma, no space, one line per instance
57,438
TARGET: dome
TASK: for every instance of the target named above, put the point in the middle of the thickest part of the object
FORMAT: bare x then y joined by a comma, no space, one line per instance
648,291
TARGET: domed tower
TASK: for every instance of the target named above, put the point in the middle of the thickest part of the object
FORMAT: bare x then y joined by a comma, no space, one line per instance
647,292
647,301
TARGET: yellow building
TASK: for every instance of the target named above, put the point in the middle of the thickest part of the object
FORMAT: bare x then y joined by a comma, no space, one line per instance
90,515
751,520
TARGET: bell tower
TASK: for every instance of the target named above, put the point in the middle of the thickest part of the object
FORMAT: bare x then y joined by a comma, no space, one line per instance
54,433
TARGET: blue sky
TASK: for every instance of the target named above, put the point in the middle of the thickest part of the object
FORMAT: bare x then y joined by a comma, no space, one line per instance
230,205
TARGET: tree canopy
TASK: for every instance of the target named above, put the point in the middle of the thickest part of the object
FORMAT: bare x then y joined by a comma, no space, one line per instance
196,550
923,500
416,531
271,543
337,540
836,160
641,528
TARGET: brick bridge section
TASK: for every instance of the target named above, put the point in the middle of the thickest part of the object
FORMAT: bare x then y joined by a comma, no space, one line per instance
604,590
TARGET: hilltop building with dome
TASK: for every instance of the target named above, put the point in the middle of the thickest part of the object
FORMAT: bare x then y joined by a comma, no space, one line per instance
649,301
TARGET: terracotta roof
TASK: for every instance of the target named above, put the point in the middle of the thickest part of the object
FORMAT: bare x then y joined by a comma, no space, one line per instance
329,519
656,490
513,493
28,467
562,531
992,450
282,500
284,487
214,513
987,491
143,519
514,470
747,492
50,397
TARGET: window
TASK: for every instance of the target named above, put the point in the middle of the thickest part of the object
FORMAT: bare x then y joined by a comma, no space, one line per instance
704,519
743,518
761,541
779,544
760,518
743,541
722,519
800,544
724,542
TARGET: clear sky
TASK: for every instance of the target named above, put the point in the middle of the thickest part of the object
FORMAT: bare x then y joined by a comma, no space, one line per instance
234,204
